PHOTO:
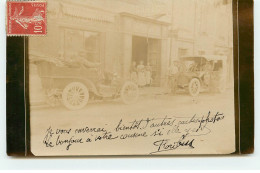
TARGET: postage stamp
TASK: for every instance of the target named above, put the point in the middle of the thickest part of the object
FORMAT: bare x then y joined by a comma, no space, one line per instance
26,18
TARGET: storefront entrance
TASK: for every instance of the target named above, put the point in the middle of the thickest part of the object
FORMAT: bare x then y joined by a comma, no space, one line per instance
148,50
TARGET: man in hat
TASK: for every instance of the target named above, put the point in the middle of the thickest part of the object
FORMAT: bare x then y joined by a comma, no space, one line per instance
173,74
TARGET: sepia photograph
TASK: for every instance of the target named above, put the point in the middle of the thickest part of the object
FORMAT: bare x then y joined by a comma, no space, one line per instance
132,77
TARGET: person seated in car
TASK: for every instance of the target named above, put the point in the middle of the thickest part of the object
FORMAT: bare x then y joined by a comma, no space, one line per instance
207,67
193,67
83,59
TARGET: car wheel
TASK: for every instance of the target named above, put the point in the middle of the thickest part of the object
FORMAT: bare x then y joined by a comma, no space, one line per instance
194,87
75,96
129,93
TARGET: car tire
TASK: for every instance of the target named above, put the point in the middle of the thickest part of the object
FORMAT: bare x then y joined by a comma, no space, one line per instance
194,87
75,96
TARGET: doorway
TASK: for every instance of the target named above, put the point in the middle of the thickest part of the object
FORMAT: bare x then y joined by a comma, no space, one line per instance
139,50
148,50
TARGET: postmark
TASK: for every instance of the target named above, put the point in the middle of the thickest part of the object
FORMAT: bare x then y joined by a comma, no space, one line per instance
26,18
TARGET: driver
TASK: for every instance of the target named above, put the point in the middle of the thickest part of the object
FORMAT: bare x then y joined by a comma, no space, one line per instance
207,67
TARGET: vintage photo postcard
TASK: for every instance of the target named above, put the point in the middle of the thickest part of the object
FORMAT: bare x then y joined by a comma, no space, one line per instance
128,77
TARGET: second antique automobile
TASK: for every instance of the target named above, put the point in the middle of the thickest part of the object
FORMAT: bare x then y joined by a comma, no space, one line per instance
202,73
73,84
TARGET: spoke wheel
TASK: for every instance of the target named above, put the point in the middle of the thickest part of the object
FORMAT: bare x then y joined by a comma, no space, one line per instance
75,96
194,87
129,93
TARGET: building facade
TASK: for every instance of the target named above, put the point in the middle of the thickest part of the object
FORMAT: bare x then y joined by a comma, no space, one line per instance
117,33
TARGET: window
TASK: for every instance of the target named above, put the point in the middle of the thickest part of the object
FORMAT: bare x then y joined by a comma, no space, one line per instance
92,45
79,40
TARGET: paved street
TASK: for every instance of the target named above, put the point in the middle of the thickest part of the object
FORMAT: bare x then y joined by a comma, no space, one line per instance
146,104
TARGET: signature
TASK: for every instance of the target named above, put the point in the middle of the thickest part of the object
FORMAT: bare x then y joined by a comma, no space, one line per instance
168,144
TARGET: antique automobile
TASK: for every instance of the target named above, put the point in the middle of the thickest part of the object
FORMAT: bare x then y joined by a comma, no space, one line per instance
74,84
202,73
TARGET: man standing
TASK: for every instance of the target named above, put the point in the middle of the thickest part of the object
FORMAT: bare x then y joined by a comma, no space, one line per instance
141,74
173,74
133,72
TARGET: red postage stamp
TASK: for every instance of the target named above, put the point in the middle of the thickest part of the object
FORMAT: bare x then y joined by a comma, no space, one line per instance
25,18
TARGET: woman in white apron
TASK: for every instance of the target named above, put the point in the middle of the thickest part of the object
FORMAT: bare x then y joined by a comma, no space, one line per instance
141,74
